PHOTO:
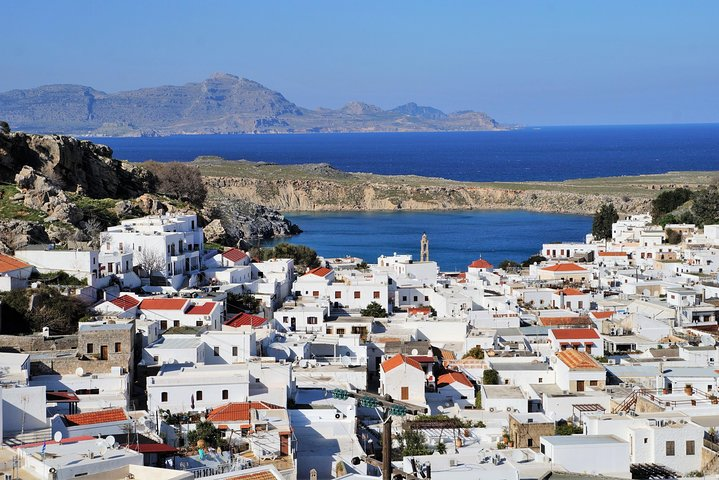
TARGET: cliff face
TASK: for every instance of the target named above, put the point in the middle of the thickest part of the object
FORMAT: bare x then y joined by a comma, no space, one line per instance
327,195
70,163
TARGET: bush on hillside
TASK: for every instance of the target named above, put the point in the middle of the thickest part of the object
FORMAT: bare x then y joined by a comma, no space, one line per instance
668,201
179,180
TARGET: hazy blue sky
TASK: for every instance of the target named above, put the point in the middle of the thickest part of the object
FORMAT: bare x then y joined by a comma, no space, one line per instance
530,62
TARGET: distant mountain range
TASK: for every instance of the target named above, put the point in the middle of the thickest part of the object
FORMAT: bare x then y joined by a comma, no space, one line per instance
221,104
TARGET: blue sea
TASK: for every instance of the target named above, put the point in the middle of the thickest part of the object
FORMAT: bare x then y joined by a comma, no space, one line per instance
456,238
547,153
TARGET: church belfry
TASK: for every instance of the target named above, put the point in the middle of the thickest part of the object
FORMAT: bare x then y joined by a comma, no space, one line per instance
424,249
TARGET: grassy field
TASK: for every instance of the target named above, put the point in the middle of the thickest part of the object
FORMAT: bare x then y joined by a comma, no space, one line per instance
641,185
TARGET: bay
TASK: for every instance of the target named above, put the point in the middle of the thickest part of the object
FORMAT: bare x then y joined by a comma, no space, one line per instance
455,238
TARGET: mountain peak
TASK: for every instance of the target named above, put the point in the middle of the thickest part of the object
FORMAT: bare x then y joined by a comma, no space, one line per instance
360,108
223,76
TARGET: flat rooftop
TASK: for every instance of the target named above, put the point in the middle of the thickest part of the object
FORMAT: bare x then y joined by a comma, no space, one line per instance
503,391
583,440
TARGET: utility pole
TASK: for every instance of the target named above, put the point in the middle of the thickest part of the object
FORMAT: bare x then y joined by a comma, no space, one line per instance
389,408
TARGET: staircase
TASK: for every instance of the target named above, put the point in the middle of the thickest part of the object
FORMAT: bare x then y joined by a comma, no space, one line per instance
628,403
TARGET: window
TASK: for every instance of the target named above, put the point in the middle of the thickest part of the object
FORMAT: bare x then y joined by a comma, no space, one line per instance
225,394
216,351
415,298
234,351
646,440
340,331
118,347
375,294
284,319
405,393
156,358
529,442
316,293
404,298
539,380
593,383
163,396
163,324
312,320
357,294
426,298
690,447
670,448
176,323
198,395
338,294
90,348
198,323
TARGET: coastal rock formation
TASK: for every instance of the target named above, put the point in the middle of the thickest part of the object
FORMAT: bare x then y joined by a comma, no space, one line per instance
19,233
71,164
242,223
326,194
222,103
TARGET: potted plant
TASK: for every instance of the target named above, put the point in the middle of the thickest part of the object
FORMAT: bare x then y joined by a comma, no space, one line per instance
688,390
714,399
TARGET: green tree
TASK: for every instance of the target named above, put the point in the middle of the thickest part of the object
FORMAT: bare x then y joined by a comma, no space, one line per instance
303,256
478,400
668,201
50,309
567,428
705,208
490,377
4,127
507,264
208,432
243,302
534,259
475,352
375,310
412,442
603,220
441,448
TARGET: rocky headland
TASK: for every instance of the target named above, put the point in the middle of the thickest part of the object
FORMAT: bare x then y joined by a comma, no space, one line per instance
319,187
56,188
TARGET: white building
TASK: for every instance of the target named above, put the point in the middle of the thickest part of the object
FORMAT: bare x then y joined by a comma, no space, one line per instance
82,264
13,273
169,245
403,379
588,454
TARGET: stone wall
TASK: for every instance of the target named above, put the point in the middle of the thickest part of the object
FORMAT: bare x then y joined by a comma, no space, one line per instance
36,343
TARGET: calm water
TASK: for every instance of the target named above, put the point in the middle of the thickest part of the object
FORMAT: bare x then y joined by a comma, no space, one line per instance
455,238
554,153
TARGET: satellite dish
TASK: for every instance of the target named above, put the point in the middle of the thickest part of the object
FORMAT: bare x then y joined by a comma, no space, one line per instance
79,371
143,316
415,351
345,361
110,440
57,437
170,360
103,449
304,363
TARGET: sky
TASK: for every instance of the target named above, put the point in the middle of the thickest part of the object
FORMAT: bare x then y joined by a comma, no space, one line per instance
528,62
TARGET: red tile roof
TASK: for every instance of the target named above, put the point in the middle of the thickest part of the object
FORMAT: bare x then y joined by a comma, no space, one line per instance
452,377
320,271
577,360
420,310
422,358
125,302
398,360
99,416
9,264
245,319
263,475
565,267
601,314
234,254
164,304
151,448
570,291
612,254
238,411
481,263
574,333
204,309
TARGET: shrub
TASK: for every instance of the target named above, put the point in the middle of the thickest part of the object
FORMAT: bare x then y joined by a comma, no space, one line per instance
475,352
567,428
179,180
412,442
674,237
490,377
205,431
534,259
303,256
669,200
51,309
706,206
375,310
243,302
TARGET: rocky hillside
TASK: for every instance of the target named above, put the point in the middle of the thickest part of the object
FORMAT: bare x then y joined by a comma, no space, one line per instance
59,189
319,187
220,104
